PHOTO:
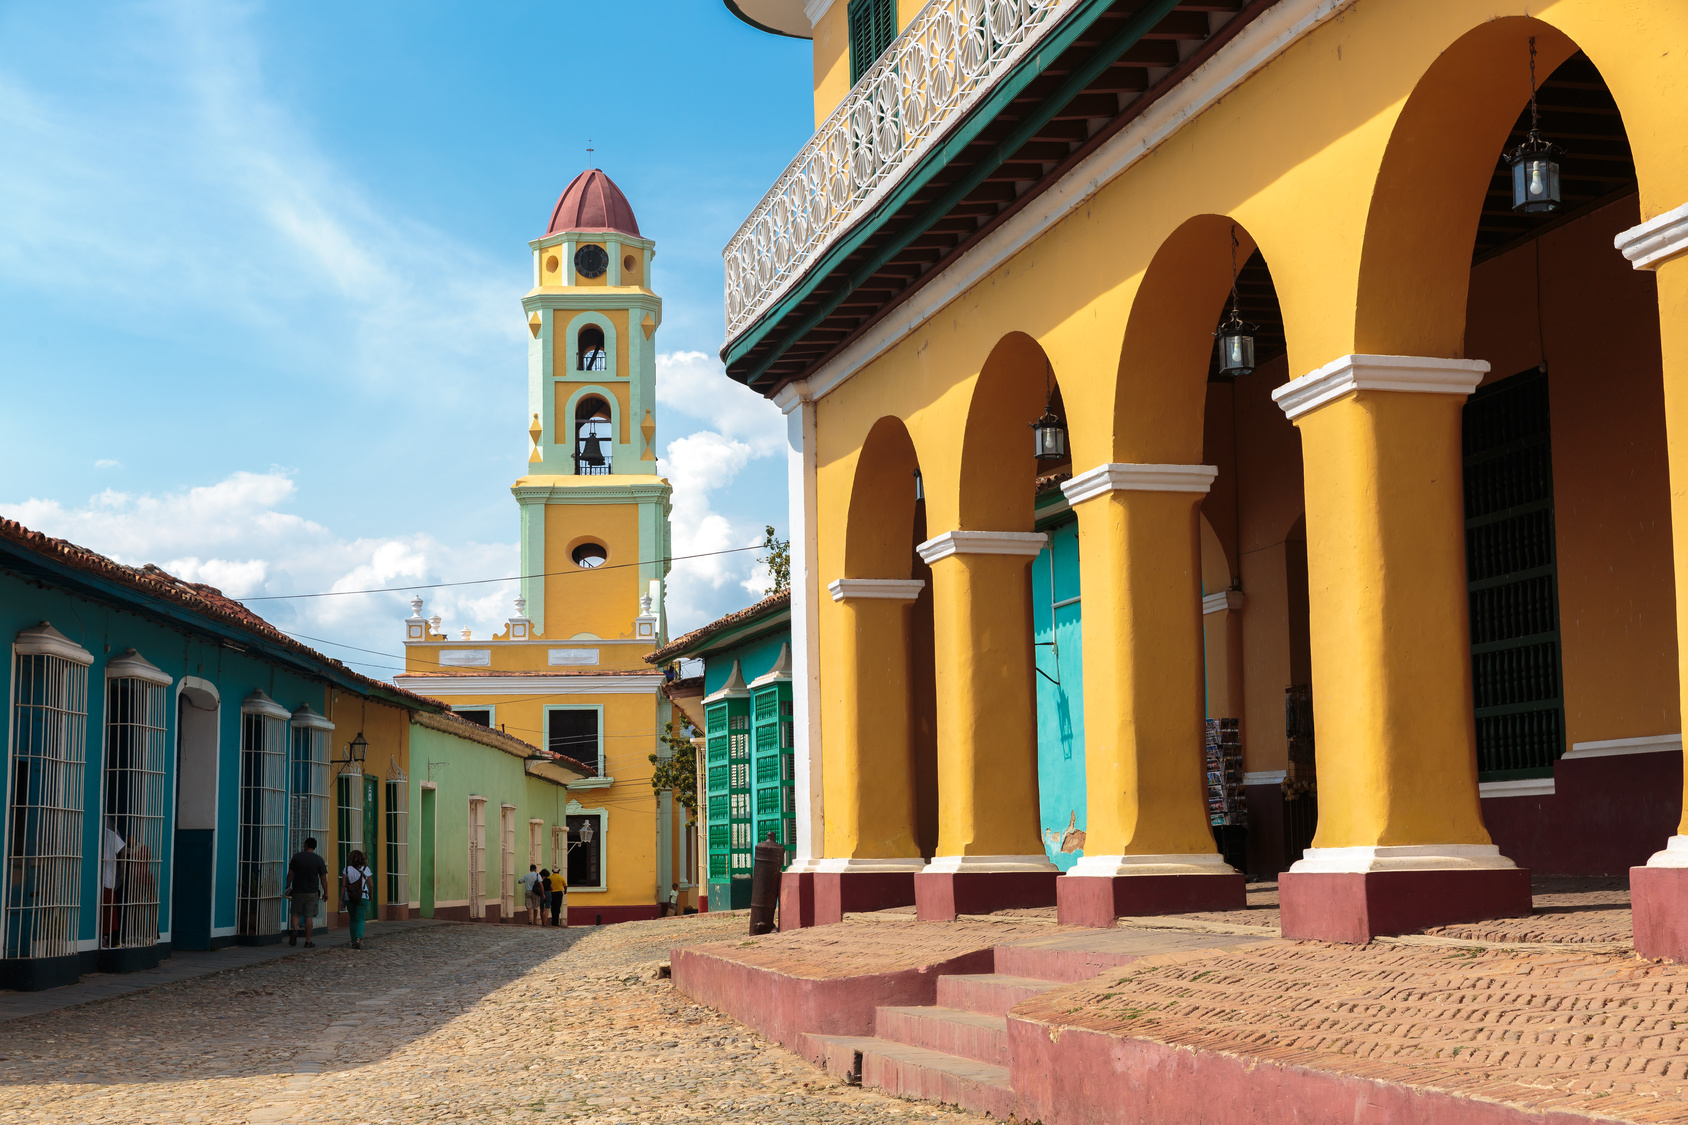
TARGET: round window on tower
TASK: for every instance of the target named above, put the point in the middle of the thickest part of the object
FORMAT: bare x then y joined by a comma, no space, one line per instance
629,265
590,556
551,263
591,261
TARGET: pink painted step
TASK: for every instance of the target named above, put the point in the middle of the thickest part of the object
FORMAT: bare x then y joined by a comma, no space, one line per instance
989,993
968,1035
916,1072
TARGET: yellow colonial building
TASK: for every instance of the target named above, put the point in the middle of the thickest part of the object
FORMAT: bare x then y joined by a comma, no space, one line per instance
1353,339
566,672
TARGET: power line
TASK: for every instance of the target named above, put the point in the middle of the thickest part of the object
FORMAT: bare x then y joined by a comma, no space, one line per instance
490,581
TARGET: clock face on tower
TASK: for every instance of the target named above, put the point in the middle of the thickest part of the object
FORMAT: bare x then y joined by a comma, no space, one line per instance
591,261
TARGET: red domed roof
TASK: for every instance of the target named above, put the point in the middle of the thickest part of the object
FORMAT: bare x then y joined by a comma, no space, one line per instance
593,202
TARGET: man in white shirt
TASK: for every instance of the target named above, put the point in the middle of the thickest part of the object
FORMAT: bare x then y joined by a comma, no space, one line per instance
113,846
533,896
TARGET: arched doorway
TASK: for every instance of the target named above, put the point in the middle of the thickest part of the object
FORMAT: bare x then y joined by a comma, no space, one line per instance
193,872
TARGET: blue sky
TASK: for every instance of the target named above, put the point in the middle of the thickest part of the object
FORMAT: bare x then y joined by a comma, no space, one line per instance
261,269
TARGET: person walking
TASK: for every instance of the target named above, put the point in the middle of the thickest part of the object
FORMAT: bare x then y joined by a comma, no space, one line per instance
559,898
307,885
357,885
535,894
672,906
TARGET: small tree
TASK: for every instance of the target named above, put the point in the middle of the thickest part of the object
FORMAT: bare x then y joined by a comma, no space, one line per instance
778,558
678,771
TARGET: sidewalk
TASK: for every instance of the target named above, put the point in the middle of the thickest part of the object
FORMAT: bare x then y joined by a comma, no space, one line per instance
184,965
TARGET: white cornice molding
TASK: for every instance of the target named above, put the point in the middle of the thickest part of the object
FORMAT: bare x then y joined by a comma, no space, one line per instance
969,864
1026,543
307,719
1611,748
1649,244
1104,479
260,704
1222,601
869,589
1250,50
1116,866
1413,373
133,666
444,687
816,10
44,640
792,395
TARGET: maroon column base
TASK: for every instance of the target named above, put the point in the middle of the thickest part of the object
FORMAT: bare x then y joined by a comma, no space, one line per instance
1085,900
1358,906
797,900
847,892
1658,899
941,896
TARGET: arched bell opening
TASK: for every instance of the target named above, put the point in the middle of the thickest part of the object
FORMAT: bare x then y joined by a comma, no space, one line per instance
594,445
590,354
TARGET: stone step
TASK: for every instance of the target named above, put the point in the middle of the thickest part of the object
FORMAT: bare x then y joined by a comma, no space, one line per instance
1057,964
915,1072
969,1035
990,993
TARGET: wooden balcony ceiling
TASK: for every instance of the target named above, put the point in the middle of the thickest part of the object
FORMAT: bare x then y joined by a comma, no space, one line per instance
1123,56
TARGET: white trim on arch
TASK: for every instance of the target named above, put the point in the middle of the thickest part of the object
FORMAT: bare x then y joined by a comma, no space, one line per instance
571,344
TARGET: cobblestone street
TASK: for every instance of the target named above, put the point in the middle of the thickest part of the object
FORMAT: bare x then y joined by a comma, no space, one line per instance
477,1023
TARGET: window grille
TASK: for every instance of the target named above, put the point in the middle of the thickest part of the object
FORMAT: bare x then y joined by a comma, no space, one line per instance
1513,577
591,355
536,842
398,835
477,857
309,788
506,862
559,848
348,819
774,804
132,834
44,853
260,908
573,733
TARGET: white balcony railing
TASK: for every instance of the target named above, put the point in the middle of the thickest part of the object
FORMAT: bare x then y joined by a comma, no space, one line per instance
924,83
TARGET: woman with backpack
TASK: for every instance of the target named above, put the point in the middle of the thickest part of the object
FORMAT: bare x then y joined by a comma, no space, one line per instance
356,887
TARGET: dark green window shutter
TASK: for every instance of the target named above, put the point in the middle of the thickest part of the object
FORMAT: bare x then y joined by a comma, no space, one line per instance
1512,572
873,24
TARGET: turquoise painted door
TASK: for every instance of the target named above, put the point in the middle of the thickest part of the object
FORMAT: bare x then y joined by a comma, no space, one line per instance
372,840
427,860
1058,628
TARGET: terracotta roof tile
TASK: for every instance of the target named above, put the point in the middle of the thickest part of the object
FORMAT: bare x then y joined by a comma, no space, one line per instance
770,604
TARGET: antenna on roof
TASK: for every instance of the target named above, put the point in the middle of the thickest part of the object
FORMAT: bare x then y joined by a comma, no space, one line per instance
589,151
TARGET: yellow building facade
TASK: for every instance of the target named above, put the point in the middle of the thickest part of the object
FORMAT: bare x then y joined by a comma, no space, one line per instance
566,672
1053,213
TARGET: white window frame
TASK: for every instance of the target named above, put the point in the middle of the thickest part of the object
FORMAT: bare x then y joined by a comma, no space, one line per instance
396,821
545,731
308,807
506,862
50,928
477,857
491,710
261,860
601,838
138,866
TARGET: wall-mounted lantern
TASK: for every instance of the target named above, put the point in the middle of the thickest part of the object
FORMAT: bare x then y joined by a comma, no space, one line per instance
1049,433
357,751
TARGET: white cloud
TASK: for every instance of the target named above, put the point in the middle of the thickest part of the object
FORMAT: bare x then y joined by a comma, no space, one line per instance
696,385
107,463
236,536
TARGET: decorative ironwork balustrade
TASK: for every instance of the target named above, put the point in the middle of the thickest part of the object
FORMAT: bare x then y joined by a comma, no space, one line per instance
925,82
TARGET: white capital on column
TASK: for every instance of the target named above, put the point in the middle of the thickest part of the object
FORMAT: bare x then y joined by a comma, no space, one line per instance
1104,479
1649,244
881,589
1025,543
1420,374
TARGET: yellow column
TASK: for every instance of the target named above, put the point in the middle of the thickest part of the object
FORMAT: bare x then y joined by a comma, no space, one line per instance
870,779
1148,846
1659,891
987,712
1397,764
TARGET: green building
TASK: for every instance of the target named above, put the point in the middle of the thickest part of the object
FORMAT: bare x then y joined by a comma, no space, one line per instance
742,705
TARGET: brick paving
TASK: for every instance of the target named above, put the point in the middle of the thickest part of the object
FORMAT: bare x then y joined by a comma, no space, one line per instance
1593,1033
447,1023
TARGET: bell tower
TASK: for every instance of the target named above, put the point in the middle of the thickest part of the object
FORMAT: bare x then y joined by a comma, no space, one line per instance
591,499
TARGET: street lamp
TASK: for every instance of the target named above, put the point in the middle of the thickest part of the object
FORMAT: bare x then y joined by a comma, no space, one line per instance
357,751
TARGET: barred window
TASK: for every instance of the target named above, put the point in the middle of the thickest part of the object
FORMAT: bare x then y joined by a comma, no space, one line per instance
44,837
398,836
308,786
260,908
132,832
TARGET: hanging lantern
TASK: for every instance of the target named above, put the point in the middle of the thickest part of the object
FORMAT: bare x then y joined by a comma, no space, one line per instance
1050,438
1236,339
1049,433
1236,347
1535,169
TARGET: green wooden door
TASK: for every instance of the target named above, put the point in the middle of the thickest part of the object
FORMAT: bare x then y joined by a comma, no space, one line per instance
372,838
